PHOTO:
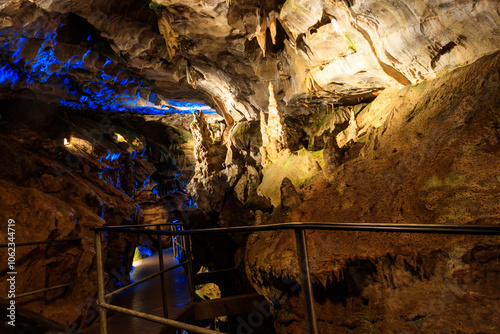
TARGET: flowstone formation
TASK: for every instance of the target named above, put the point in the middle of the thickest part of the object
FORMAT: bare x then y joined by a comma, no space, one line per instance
140,55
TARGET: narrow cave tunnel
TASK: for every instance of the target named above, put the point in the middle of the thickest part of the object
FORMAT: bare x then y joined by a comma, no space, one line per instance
243,166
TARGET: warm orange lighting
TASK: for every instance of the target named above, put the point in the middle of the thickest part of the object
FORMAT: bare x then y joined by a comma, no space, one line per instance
120,138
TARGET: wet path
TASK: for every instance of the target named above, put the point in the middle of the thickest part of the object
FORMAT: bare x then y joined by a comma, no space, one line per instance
147,298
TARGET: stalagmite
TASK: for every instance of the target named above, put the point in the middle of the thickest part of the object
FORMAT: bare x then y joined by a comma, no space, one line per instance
273,131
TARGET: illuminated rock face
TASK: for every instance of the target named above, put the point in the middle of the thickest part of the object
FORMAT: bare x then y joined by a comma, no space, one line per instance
65,173
132,56
294,59
412,169
273,130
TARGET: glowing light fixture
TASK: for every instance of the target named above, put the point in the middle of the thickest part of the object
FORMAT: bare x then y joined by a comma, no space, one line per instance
119,138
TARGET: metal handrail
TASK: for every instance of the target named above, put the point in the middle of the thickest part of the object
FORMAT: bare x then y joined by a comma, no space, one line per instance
302,253
400,228
145,279
42,242
147,225
34,292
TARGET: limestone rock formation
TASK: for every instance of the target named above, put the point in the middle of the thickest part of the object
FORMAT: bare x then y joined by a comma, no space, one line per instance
329,73
223,52
289,196
226,176
415,169
332,156
274,139
63,175
206,187
353,128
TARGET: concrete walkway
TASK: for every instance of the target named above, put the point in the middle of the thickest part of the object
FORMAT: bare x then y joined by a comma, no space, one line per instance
147,298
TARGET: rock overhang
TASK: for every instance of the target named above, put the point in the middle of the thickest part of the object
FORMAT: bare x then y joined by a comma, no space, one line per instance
137,56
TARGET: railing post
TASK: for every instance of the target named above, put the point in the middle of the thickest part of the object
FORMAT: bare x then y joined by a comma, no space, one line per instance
100,283
305,280
162,276
188,251
174,248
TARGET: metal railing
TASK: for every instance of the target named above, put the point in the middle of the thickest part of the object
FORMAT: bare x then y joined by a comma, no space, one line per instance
302,254
174,231
46,242
178,241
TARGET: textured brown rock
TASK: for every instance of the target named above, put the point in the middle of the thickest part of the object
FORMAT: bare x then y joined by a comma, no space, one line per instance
289,196
415,170
332,156
55,191
428,153
206,187
225,53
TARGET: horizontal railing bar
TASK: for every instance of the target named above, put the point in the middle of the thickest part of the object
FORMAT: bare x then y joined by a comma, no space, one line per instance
136,283
148,225
160,320
41,290
392,228
42,242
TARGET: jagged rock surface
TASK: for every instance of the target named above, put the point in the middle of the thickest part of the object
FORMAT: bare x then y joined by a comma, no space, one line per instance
224,53
432,160
319,55
58,190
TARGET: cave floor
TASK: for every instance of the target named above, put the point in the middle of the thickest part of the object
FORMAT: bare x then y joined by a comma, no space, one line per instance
147,298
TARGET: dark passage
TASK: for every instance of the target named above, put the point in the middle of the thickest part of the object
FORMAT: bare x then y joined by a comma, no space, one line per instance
147,298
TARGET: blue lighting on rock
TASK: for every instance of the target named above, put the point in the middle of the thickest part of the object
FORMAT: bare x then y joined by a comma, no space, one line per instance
145,251
100,92
112,156
9,75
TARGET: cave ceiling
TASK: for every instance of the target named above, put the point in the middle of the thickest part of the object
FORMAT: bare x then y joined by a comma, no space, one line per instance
149,56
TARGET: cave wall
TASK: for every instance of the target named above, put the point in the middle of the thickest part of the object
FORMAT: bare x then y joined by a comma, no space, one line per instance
65,172
432,160
313,84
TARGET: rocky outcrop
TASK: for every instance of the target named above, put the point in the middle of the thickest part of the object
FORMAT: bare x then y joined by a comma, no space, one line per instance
430,161
314,66
332,156
135,56
289,196
206,187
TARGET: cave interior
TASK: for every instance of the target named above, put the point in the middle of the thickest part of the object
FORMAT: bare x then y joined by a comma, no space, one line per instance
251,116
